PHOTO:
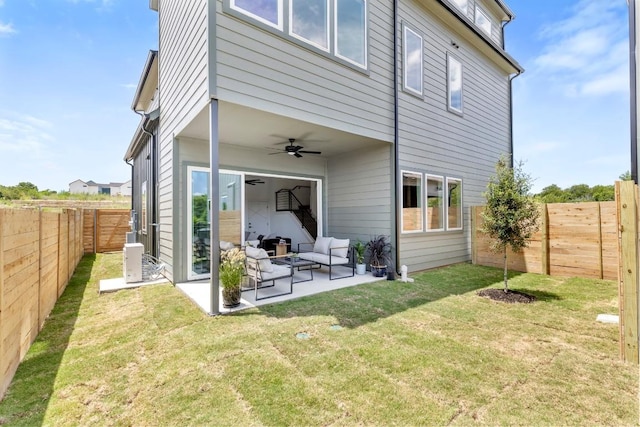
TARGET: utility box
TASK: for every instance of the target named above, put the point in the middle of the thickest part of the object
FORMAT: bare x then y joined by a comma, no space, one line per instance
132,262
131,237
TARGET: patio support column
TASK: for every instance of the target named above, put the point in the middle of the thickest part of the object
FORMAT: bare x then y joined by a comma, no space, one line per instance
214,227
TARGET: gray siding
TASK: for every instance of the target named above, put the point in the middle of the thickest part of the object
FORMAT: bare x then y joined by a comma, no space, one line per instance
359,189
265,71
183,92
436,141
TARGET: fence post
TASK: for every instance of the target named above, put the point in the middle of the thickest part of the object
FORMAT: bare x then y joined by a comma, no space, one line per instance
600,249
40,232
544,241
474,235
627,200
3,367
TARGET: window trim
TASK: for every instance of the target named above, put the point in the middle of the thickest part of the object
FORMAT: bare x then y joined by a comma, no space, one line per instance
405,68
421,204
459,181
278,26
485,15
228,7
463,8
441,178
452,58
334,32
305,40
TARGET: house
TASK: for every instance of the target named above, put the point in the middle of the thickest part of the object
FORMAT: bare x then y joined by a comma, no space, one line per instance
370,117
90,187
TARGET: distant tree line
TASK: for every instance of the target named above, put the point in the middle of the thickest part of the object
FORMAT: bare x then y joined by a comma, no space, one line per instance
29,191
579,193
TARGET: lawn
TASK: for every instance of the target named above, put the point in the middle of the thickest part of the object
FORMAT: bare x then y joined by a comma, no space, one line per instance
431,352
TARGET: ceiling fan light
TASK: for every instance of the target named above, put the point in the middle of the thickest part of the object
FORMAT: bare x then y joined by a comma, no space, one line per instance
291,153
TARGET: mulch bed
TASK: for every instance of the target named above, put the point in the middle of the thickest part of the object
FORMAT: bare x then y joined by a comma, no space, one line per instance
509,296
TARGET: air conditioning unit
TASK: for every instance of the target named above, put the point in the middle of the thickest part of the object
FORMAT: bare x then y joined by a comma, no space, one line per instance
132,262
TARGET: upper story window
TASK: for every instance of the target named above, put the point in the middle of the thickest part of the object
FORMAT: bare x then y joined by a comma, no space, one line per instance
310,22
412,55
266,11
463,5
482,20
454,84
411,201
351,31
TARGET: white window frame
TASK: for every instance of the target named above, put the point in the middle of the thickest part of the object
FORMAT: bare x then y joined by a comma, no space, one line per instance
365,35
447,204
442,196
420,195
144,208
325,48
452,59
279,25
483,21
463,5
406,31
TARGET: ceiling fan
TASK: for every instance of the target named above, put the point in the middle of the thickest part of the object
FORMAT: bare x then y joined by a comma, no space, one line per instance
296,150
253,181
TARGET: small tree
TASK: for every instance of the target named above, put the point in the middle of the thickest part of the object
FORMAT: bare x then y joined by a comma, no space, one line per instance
511,215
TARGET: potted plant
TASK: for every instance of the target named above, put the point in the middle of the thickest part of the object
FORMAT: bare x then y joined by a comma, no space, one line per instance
359,249
231,272
379,251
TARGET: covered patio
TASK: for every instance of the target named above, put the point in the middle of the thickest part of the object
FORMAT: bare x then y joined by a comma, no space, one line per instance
200,291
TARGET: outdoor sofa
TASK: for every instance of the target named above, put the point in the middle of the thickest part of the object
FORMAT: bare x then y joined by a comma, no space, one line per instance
330,252
261,269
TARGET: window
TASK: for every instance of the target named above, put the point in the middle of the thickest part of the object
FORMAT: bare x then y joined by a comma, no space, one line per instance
309,21
266,11
435,205
454,84
454,204
411,201
143,207
482,20
351,31
463,5
334,28
412,55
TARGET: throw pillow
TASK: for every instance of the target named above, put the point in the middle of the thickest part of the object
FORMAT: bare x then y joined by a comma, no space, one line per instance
265,262
342,246
322,245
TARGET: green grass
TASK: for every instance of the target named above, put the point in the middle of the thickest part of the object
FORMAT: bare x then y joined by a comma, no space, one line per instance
430,352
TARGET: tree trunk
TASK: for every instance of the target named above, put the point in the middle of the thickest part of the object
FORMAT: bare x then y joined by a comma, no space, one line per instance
506,287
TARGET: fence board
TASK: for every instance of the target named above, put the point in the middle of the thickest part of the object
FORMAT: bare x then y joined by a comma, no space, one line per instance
577,239
112,227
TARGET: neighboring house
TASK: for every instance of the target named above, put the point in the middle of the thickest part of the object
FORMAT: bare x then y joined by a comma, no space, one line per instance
408,102
89,187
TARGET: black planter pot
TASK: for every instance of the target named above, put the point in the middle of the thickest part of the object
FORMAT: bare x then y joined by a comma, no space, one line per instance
379,270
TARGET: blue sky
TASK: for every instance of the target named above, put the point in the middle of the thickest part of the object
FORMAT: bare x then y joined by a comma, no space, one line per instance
69,68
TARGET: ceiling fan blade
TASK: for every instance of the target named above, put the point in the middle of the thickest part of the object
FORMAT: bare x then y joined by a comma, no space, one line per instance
279,152
309,152
297,155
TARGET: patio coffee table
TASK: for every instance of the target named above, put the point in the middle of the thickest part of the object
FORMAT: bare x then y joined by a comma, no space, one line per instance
297,263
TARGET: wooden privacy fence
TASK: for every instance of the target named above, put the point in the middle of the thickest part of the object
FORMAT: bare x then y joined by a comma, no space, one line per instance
105,230
575,239
38,254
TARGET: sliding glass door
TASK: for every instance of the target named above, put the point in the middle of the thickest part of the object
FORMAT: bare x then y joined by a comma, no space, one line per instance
199,217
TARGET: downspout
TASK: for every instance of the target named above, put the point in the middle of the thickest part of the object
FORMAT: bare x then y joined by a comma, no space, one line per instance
396,135
504,24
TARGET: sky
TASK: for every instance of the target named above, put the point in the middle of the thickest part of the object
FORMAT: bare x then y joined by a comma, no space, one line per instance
69,70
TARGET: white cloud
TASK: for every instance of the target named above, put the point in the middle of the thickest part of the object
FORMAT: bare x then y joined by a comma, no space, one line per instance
6,29
587,53
25,134
129,85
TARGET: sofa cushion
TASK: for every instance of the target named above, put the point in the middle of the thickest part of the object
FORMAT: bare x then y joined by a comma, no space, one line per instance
277,272
225,246
322,245
341,247
263,258
323,259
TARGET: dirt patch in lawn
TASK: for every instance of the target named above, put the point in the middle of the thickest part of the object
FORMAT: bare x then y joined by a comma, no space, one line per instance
509,296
